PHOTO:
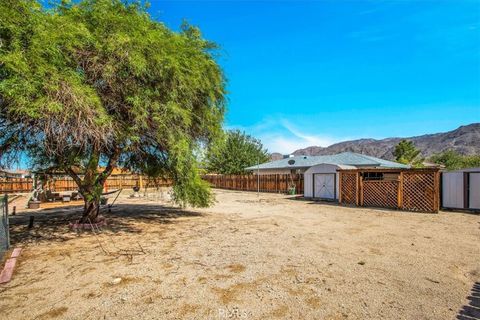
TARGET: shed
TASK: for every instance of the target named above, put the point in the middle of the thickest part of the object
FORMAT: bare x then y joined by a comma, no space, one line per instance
322,181
461,189
395,188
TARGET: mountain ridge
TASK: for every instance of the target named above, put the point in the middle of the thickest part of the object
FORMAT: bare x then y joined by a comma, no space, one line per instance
465,140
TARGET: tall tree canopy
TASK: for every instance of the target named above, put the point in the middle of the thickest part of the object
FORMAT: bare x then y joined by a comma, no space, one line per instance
234,153
97,82
452,160
406,153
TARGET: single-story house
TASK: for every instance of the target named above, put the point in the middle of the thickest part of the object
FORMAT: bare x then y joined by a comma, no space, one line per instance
321,179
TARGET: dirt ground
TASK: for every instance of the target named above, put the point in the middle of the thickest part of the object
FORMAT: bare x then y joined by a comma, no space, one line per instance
247,257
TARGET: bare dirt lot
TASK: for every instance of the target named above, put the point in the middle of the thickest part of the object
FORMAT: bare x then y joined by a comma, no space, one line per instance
247,257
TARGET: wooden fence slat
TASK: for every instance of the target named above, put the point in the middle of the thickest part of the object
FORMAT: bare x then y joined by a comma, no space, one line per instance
264,183
62,184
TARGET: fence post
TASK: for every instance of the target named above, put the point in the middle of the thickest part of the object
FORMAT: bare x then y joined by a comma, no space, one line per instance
6,221
400,191
436,177
357,188
340,176
360,189
258,184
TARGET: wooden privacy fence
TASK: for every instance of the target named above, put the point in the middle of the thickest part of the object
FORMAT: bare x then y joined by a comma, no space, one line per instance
406,189
60,184
12,185
266,182
122,182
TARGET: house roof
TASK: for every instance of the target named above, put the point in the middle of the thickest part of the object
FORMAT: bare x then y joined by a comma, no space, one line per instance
466,170
15,171
344,158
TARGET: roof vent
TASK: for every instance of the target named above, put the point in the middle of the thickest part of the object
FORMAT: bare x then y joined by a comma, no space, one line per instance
291,161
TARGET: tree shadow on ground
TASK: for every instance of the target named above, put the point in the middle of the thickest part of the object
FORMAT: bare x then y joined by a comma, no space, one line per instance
53,224
471,311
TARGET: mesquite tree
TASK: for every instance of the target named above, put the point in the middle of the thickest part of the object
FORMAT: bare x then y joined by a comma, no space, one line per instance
99,83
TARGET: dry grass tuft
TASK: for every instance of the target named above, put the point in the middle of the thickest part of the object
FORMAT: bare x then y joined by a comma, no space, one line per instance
280,312
233,293
53,313
313,302
236,268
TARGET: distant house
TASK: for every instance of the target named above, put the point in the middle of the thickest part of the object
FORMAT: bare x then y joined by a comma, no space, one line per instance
300,164
7,173
320,172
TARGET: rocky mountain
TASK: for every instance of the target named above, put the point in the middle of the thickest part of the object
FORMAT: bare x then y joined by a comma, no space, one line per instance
465,140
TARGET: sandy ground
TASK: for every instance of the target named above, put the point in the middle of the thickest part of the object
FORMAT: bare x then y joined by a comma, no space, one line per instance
247,257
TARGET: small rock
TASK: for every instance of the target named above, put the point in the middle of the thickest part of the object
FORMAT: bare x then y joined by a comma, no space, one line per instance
361,263
116,280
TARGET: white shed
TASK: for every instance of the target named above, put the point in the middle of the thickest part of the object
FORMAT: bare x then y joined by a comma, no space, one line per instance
321,181
461,189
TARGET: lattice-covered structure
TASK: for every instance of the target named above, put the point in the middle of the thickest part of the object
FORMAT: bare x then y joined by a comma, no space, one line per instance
404,189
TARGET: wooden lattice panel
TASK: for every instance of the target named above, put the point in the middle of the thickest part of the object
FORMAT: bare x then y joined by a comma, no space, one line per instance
349,188
419,190
381,193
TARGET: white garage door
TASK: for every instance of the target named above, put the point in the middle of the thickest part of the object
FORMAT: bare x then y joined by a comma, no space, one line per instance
324,185
474,199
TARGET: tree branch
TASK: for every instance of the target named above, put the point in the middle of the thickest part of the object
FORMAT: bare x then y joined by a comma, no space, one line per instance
74,176
112,163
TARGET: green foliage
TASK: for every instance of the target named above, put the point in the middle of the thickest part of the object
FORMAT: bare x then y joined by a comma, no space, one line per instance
406,153
189,187
96,82
234,153
452,160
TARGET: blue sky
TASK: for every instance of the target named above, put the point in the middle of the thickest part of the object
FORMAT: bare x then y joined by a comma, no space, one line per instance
306,73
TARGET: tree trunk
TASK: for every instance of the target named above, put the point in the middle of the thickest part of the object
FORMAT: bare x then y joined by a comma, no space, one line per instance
92,184
90,211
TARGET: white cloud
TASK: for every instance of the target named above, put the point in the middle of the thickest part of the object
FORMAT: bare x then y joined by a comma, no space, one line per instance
310,139
280,135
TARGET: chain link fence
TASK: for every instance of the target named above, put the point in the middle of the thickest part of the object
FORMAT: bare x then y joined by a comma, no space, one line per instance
4,233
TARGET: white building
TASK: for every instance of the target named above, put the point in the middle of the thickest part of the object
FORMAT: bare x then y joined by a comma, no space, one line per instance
320,172
461,189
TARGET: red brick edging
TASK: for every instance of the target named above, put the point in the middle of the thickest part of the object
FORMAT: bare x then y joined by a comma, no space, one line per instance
7,271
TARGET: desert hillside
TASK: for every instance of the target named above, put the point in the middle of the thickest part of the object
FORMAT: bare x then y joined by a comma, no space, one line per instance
465,140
